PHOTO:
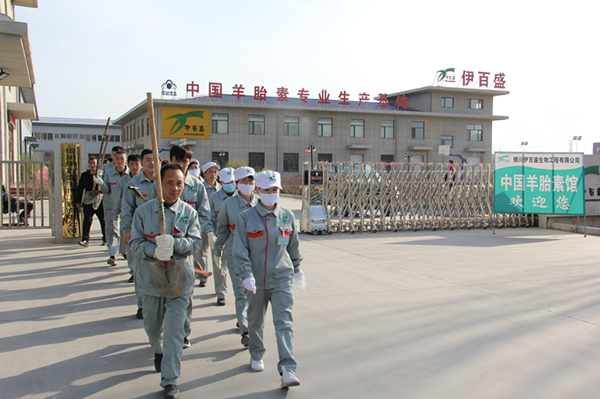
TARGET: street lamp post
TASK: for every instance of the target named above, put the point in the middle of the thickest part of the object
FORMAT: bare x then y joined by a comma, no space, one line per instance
524,144
576,139
222,157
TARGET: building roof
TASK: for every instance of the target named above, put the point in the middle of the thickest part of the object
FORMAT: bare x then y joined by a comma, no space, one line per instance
73,121
451,90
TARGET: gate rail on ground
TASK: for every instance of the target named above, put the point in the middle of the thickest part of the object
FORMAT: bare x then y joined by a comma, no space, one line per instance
352,196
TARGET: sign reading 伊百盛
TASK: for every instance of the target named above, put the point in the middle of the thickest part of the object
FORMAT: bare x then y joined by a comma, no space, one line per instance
543,183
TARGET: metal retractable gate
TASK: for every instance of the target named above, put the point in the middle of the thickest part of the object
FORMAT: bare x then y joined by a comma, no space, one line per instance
350,197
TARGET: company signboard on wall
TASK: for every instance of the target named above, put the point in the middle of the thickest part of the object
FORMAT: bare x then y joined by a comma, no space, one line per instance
185,123
542,183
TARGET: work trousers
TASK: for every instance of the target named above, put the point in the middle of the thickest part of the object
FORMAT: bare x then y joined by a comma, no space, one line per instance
88,214
241,301
164,321
133,264
111,219
282,300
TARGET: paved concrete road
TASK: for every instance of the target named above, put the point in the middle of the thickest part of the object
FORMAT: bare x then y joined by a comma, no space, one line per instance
445,314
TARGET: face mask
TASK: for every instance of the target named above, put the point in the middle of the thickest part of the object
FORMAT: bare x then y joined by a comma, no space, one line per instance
246,189
269,199
229,188
194,172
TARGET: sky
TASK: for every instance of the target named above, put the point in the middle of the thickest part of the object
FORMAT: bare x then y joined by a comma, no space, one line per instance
99,58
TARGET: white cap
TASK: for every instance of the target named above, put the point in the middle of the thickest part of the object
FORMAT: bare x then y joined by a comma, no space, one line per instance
209,165
226,175
243,171
194,160
267,179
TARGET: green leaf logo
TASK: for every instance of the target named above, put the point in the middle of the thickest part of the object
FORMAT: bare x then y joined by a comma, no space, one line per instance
182,119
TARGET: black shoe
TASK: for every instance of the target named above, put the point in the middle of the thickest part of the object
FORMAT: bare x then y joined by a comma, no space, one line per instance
171,392
157,361
245,339
202,284
186,343
103,241
112,261
131,279
221,302
84,243
139,314
237,324
124,256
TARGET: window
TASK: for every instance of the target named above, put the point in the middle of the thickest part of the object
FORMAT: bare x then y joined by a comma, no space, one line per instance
448,140
87,137
256,160
418,130
447,102
325,158
220,123
290,162
475,132
290,126
142,127
387,129
357,128
148,127
221,156
387,158
138,130
475,104
325,128
256,124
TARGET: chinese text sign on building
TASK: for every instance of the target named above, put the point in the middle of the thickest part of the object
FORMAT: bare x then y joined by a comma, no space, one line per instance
543,183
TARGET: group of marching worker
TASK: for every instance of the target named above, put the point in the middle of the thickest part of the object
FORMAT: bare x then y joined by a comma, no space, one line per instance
232,212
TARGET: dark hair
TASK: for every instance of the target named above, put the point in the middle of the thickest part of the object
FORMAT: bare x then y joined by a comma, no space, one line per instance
108,160
146,152
117,148
134,158
92,158
170,166
120,152
450,161
180,152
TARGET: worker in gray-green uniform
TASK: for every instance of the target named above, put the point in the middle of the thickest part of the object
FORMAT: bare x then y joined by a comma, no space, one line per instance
134,163
130,201
194,195
242,200
164,318
210,172
108,185
226,176
266,255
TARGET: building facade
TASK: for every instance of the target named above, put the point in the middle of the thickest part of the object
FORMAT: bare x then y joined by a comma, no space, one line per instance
408,126
17,97
46,130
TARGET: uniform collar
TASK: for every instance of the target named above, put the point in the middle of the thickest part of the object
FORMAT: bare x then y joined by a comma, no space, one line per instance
143,177
177,207
243,202
190,180
263,212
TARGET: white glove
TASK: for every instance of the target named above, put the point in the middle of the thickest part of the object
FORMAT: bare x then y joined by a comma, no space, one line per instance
98,180
217,262
165,241
299,280
250,284
163,254
211,239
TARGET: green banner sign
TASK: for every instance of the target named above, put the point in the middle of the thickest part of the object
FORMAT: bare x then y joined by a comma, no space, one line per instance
543,183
